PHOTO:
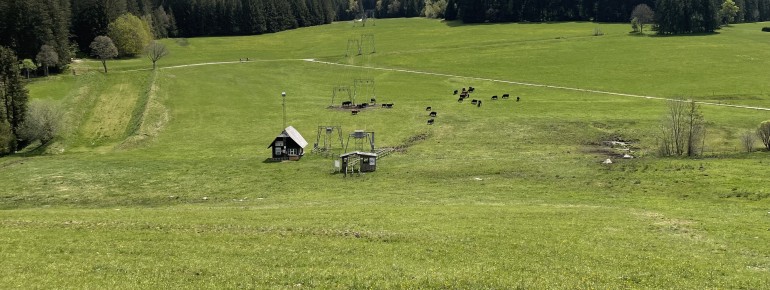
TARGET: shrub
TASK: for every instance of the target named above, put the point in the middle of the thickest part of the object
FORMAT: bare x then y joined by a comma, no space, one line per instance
43,122
747,140
766,29
763,132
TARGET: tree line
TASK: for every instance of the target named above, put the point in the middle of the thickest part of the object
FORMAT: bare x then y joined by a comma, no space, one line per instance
66,27
672,16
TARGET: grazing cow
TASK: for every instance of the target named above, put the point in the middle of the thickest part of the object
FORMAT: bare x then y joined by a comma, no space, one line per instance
517,98
428,108
464,90
432,114
460,100
455,92
373,100
505,96
474,101
464,95
479,104
347,104
389,105
430,122
354,112
494,98
471,89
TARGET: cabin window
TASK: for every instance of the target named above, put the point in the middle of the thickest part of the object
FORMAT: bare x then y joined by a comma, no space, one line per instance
277,150
278,143
292,151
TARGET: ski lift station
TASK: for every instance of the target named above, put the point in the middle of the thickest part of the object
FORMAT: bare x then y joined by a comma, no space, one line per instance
289,145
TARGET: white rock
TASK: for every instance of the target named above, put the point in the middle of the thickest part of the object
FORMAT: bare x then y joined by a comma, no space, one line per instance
608,161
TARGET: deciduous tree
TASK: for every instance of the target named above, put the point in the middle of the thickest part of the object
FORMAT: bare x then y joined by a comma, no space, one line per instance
47,57
130,34
683,129
27,65
155,51
103,48
763,132
643,15
728,11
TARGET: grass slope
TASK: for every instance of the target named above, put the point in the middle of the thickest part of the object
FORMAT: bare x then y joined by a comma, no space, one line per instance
162,183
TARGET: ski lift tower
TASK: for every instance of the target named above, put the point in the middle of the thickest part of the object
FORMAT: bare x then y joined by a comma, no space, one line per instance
325,139
365,86
343,91
360,138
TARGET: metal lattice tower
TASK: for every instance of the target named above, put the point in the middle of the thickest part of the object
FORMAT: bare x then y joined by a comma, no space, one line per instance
325,139
367,40
341,90
364,85
360,137
353,44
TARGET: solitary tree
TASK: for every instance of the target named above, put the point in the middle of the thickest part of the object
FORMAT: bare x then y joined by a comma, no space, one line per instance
763,132
642,15
155,51
27,65
103,48
47,57
728,11
683,130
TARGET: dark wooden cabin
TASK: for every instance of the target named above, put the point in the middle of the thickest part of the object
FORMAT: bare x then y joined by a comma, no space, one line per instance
289,145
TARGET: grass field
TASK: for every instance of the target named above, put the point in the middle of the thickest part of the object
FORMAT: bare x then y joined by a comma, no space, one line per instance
160,179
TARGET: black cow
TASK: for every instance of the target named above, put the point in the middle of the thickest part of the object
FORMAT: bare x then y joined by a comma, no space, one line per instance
347,104
432,114
354,112
474,101
479,104
471,89
517,98
430,122
389,105
428,108
455,92
494,98
460,100
373,100
505,96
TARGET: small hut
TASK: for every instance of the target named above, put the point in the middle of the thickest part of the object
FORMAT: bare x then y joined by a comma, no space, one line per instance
358,161
289,145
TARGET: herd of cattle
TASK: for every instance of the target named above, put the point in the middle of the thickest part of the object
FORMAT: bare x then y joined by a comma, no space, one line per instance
464,94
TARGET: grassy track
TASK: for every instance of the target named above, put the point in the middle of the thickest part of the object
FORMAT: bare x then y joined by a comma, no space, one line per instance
160,180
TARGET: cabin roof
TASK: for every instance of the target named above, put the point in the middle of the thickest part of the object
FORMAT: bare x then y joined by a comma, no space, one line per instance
292,133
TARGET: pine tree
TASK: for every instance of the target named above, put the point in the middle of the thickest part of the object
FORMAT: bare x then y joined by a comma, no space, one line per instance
13,101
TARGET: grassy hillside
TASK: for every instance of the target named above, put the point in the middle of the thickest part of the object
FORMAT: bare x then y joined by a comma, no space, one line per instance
160,180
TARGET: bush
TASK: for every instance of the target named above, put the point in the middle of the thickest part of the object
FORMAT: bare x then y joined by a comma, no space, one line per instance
747,140
42,123
766,29
763,132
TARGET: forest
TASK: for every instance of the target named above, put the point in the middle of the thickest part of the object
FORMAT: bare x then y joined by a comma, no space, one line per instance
69,26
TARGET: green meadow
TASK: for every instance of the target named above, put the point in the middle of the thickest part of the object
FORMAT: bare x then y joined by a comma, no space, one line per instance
160,179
